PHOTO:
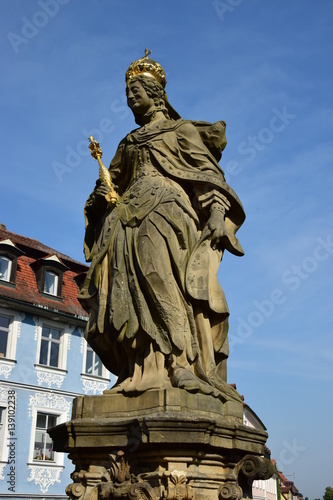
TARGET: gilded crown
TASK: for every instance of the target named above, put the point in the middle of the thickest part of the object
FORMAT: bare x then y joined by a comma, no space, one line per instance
146,67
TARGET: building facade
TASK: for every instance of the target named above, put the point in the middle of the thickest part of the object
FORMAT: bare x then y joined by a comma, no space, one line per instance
261,490
44,363
288,490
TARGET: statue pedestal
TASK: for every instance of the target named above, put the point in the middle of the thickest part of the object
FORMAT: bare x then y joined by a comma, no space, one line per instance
167,444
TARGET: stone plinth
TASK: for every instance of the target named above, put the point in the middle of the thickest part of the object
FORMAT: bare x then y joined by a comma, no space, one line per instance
167,444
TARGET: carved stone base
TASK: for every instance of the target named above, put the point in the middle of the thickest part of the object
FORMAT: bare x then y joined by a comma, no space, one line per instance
163,444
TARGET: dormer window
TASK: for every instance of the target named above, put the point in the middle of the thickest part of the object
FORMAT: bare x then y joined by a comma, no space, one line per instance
51,283
5,268
49,273
9,254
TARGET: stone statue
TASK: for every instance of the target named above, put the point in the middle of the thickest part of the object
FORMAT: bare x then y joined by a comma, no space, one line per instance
158,317
157,224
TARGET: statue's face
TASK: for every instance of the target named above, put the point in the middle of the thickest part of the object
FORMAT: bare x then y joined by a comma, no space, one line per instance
137,98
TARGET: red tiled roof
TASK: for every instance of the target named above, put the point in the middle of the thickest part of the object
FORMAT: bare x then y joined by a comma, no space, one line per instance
282,477
288,486
38,248
26,289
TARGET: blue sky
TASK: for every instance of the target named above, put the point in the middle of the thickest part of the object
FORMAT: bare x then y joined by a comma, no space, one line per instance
266,69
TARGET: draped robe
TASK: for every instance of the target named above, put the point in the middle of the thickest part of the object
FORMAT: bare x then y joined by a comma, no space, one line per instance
153,268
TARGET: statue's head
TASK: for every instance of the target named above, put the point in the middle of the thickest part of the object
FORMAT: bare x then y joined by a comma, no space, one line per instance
145,94
151,77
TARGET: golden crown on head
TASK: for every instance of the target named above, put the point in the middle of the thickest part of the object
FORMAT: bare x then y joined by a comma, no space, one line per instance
146,67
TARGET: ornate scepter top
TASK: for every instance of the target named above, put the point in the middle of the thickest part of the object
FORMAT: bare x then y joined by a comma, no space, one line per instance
104,174
95,148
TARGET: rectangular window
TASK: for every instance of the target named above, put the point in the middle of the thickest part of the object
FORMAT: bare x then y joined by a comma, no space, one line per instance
43,446
4,333
93,363
51,283
5,268
3,441
2,424
50,347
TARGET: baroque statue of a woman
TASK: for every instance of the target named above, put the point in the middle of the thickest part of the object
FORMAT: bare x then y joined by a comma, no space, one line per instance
158,317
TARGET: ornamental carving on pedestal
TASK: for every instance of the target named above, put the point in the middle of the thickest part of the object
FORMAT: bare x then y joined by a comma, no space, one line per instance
178,487
250,468
118,482
230,491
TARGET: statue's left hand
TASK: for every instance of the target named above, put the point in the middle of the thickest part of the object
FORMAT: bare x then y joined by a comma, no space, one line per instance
216,225
99,196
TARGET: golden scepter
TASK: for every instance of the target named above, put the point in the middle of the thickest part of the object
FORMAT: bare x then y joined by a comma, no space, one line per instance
104,175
